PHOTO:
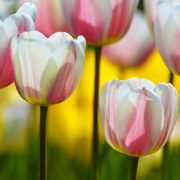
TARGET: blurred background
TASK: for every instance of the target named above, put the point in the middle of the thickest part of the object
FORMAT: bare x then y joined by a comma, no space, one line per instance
69,124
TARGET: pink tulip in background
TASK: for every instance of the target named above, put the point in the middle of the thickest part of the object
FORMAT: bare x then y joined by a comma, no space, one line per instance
138,117
99,21
47,70
13,25
167,33
49,16
134,48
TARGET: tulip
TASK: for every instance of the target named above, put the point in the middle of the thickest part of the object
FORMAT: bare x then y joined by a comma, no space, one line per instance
50,18
99,21
167,32
134,48
150,7
138,117
13,25
47,70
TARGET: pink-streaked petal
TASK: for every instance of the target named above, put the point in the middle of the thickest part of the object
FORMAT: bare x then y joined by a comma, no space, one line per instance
169,99
100,22
142,129
69,73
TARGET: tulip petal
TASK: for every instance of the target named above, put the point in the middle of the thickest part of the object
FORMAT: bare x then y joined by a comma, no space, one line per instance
29,9
141,128
32,57
169,99
135,83
69,73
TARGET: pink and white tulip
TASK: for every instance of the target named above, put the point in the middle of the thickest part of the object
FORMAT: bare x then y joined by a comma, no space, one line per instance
47,70
167,33
9,27
99,21
138,117
50,17
134,48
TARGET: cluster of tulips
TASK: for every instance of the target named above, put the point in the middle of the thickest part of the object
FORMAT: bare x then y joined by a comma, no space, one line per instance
137,116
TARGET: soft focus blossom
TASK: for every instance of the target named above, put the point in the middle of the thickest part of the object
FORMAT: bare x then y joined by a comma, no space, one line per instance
99,21
47,70
134,48
50,18
138,117
150,11
16,119
6,8
167,33
13,25
150,7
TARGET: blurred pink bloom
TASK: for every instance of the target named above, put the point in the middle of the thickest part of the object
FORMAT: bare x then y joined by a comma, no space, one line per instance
49,16
138,117
167,33
13,25
134,48
100,22
47,70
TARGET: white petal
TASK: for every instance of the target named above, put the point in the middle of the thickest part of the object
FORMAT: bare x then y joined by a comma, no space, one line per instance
169,97
136,83
28,8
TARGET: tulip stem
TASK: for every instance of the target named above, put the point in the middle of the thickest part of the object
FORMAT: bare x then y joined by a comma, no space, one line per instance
165,155
43,114
133,168
95,138
171,78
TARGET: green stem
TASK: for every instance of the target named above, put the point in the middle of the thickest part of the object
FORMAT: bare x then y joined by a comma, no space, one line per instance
171,78
95,139
43,114
133,168
164,165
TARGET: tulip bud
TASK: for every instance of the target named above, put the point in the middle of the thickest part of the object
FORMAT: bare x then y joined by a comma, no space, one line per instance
138,117
47,70
167,33
100,22
12,25
134,48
